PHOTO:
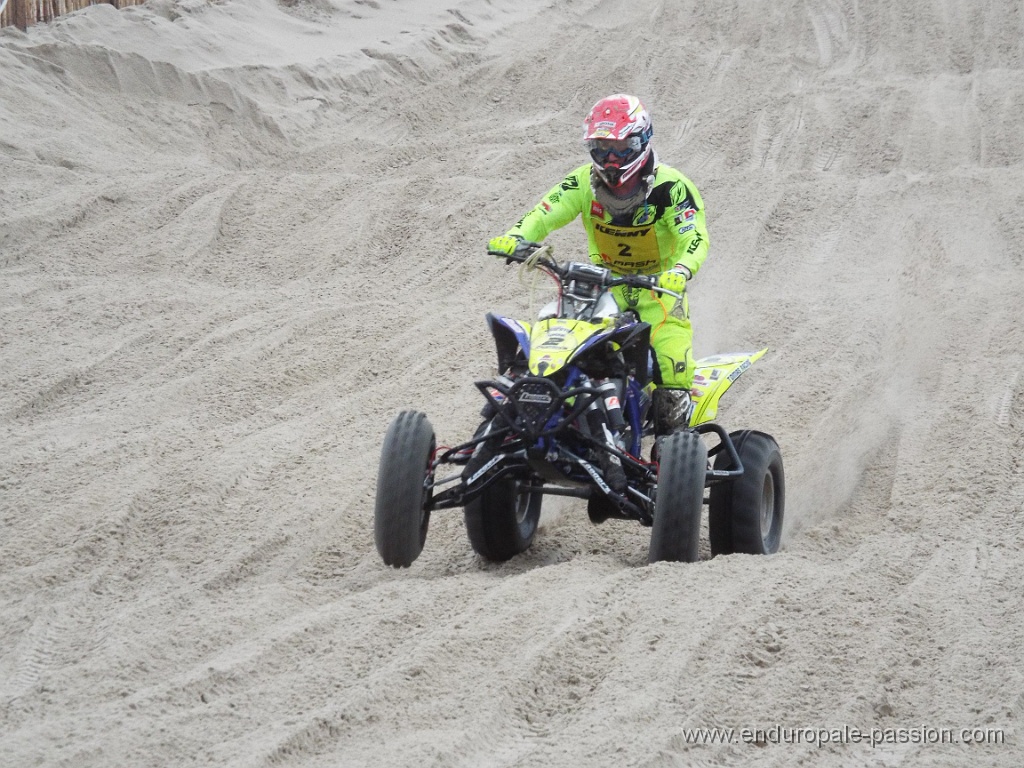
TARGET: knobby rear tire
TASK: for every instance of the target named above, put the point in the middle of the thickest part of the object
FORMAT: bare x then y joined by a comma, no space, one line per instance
400,519
745,515
682,469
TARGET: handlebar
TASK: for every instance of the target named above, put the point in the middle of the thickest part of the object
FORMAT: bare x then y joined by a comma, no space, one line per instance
583,272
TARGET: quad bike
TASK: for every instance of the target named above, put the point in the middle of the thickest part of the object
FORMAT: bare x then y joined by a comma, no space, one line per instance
566,416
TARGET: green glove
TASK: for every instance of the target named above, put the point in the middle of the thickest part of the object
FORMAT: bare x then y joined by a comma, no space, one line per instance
674,279
505,245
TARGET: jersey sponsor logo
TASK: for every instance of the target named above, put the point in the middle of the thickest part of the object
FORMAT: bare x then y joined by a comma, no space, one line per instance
695,244
685,217
571,182
684,230
596,209
554,197
635,267
545,206
622,232
644,215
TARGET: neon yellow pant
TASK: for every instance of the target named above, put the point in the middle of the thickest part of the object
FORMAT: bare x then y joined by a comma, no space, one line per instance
671,333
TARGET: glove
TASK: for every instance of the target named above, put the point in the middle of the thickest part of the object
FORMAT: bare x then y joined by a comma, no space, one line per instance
675,279
505,245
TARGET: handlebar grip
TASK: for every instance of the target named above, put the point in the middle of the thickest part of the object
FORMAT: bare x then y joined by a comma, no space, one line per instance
640,281
523,251
502,254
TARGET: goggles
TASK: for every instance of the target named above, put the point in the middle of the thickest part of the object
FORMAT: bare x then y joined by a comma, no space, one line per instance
603,150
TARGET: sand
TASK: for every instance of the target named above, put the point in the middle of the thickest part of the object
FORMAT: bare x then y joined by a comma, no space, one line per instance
237,238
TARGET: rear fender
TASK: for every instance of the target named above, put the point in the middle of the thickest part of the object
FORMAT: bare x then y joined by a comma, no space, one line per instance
712,377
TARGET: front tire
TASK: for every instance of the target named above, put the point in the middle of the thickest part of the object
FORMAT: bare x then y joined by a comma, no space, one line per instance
400,517
682,470
746,514
502,523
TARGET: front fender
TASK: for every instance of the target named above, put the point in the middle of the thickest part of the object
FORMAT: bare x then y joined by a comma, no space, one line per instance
509,336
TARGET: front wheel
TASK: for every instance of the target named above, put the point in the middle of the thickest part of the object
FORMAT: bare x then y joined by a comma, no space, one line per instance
682,469
502,521
746,514
400,517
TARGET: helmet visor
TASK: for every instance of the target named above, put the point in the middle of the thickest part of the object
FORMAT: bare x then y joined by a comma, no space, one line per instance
615,151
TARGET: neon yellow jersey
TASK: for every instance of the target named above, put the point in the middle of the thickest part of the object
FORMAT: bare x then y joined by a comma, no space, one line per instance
668,229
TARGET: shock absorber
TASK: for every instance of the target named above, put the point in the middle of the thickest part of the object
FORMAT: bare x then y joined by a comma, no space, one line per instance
600,417
610,397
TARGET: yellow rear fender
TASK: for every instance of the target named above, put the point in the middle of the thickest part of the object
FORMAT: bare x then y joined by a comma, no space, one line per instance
712,377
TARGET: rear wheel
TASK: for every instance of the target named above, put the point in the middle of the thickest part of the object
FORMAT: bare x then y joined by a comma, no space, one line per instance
746,514
502,522
682,469
400,517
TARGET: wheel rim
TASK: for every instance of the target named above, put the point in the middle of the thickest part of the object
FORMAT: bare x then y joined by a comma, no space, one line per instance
428,493
767,505
522,503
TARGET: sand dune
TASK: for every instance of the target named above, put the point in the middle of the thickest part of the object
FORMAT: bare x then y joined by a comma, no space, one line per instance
237,238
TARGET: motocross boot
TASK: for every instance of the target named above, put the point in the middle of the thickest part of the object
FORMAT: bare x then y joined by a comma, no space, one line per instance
670,411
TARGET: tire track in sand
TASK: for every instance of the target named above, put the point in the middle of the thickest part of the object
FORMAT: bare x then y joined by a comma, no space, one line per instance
35,655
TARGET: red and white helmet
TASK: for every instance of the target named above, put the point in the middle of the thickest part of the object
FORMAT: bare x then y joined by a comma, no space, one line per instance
618,133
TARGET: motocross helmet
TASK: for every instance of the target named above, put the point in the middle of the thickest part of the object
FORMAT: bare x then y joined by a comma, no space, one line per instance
617,133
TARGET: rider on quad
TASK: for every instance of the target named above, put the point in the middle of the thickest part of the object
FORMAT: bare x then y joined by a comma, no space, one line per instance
641,217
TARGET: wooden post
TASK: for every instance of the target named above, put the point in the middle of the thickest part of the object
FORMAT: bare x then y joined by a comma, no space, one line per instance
19,13
23,13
